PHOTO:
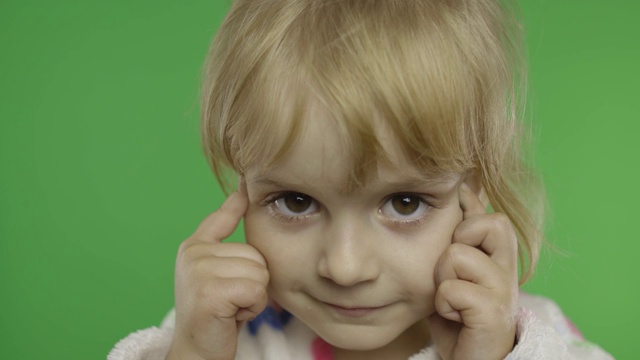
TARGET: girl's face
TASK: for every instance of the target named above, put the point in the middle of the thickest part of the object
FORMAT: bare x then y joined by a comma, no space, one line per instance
357,267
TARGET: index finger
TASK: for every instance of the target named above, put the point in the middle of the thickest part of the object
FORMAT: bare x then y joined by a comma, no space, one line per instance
470,202
491,233
222,222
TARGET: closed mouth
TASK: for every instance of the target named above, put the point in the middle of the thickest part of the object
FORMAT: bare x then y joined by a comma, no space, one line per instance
354,311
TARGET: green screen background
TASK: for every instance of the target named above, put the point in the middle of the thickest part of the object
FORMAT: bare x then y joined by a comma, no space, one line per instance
101,174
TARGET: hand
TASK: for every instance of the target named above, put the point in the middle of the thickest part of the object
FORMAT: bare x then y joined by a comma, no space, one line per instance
477,286
218,286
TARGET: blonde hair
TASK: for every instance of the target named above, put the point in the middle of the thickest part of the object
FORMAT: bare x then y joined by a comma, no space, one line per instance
447,77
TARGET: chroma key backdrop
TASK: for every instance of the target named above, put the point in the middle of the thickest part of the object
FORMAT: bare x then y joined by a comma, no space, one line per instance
102,177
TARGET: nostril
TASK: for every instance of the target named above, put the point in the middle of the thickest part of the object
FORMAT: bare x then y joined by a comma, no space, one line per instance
348,272
346,257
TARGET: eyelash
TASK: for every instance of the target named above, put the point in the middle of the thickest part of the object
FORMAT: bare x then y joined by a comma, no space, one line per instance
270,203
407,223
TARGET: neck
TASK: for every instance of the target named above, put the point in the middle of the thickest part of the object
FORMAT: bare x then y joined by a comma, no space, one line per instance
404,346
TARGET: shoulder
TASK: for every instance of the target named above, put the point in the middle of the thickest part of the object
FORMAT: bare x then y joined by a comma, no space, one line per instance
149,343
544,332
549,313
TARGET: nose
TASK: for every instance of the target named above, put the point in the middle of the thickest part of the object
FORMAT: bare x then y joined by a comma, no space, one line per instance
348,255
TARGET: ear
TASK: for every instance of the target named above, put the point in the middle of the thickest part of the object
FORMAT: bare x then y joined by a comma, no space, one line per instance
475,184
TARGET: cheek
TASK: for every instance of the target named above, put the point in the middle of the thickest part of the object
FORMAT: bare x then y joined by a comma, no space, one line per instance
416,268
260,234
252,225
423,250
286,254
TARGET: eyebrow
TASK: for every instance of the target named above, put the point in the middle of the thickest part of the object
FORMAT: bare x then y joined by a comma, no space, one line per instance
273,182
418,182
413,182
407,183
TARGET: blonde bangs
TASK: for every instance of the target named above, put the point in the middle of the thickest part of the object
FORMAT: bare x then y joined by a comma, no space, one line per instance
436,84
432,96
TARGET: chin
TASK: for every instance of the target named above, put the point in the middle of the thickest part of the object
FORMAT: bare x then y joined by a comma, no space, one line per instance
356,337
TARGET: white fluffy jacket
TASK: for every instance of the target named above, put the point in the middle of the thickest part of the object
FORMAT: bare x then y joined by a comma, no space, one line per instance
543,333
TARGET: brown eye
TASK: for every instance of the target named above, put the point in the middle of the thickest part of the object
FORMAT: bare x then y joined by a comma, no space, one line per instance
404,207
295,204
405,204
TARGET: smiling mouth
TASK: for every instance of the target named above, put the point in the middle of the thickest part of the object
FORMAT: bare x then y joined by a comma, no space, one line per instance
358,311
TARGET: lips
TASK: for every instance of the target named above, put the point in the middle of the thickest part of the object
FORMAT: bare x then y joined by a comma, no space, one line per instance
355,311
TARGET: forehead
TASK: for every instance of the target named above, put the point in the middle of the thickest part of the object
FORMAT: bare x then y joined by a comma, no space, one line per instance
323,154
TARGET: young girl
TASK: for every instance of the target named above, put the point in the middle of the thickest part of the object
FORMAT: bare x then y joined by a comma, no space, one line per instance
369,138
